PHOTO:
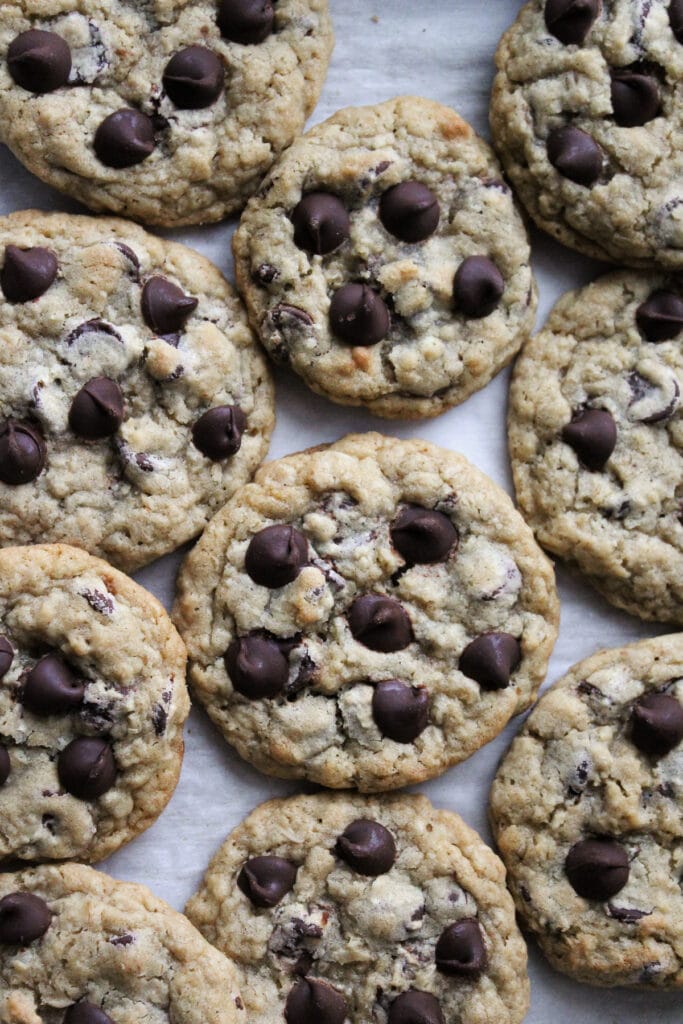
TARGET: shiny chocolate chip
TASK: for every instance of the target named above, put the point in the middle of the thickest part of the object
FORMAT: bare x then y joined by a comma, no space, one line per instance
635,97
592,433
97,410
461,950
27,273
6,656
22,453
575,154
321,223
422,535
257,667
165,306
86,767
367,847
676,19
218,432
359,315
84,1012
267,880
597,868
276,556
23,918
312,1001
400,711
380,623
124,139
414,1007
570,21
660,317
491,659
39,61
657,724
52,687
246,21
5,766
478,287
194,78
410,211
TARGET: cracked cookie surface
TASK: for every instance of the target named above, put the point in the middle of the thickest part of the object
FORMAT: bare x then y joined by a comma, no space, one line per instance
587,117
597,769
165,111
385,261
366,614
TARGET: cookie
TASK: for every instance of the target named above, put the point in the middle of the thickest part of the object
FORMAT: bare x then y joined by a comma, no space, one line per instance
133,400
345,908
384,260
80,948
168,112
366,614
587,118
596,439
587,810
92,706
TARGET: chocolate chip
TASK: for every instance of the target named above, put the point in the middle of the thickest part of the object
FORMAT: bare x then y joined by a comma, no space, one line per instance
124,139
165,306
359,315
276,556
592,433
5,766
218,432
410,211
321,223
575,154
131,258
6,656
257,667
653,399
660,317
401,712
86,767
194,78
86,1013
597,868
52,688
423,536
570,21
23,918
415,1007
635,97
97,410
478,287
22,453
246,21
657,724
380,623
629,915
491,659
39,61
460,949
676,18
159,719
367,847
27,273
266,273
312,1001
94,326
267,880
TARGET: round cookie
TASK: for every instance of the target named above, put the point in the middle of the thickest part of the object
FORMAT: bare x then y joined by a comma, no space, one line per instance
168,112
587,809
596,439
366,614
587,117
78,947
133,400
364,909
92,706
384,260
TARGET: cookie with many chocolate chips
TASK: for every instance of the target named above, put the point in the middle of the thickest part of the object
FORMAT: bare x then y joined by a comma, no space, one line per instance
587,117
92,706
133,400
168,112
596,438
385,910
366,614
587,809
385,261
78,947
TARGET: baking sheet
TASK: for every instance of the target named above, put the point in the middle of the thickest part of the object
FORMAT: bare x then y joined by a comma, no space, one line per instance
442,49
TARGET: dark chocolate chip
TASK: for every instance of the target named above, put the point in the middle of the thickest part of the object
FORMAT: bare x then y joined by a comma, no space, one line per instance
570,21
246,21
460,949
635,97
660,317
39,61
5,766
478,287
23,918
410,211
597,868
401,712
266,273
131,258
359,315
629,915
276,556
194,78
657,724
86,1013
165,306
86,767
22,453
6,656
592,433
415,1007
218,432
423,536
380,623
97,410
257,667
124,139
267,880
52,687
312,1001
94,326
321,223
676,18
27,273
575,154
491,659
367,847
652,401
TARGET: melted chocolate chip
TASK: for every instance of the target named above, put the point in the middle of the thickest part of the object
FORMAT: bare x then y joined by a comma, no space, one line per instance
27,273
478,287
39,61
86,1013
312,1001
276,556
194,78
23,918
415,1007
124,139
380,623
5,766
570,21
22,453
86,767
461,950
131,258
367,847
592,433
657,724
676,18
359,315
6,656
321,223
629,915
218,432
257,667
165,307
97,410
635,97
575,154
94,326
410,211
660,317
401,712
267,880
52,688
246,21
491,659
423,536
597,868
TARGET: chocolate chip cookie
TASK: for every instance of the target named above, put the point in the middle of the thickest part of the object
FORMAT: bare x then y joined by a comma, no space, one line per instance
384,260
92,705
78,947
587,117
596,438
133,400
168,112
366,614
340,908
587,808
